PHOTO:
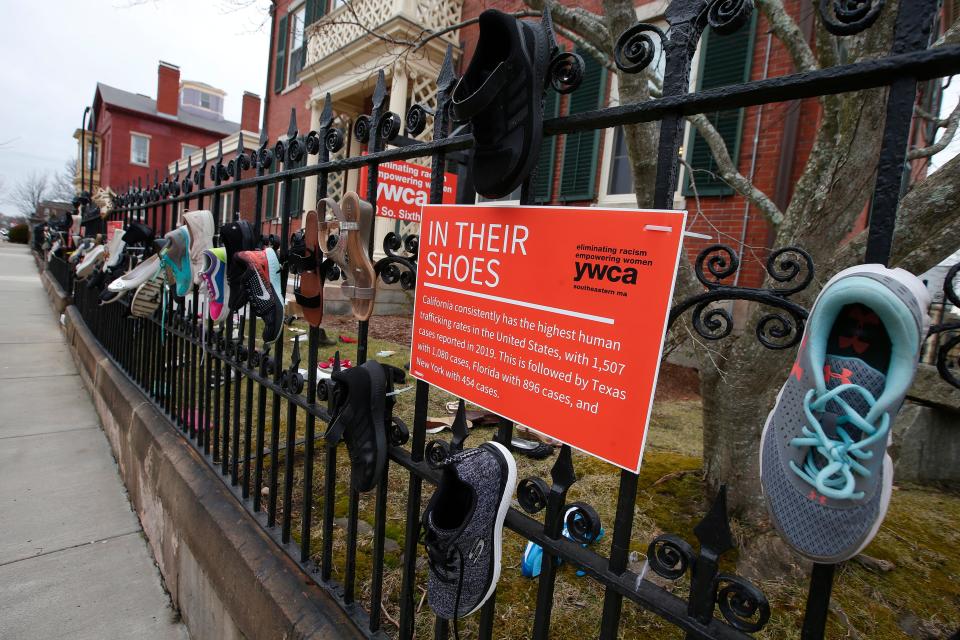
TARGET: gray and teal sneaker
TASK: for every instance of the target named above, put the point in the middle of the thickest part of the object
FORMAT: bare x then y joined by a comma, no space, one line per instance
824,468
463,528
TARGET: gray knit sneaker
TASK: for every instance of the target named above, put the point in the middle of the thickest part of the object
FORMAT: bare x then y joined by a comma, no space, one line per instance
463,528
823,464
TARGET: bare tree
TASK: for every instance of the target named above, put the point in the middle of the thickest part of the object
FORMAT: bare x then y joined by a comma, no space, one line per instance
62,185
739,377
28,193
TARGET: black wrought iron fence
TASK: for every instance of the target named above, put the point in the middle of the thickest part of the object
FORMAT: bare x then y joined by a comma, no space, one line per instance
240,404
61,272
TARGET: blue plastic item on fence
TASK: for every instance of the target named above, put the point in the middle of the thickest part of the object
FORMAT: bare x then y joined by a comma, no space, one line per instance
533,555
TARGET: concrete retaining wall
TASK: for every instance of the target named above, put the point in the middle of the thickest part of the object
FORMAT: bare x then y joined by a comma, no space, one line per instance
225,575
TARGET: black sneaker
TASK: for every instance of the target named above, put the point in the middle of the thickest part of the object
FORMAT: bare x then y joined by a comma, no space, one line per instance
501,94
257,267
463,528
359,418
235,237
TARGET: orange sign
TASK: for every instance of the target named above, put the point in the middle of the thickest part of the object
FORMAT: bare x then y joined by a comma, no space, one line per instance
403,188
113,226
553,317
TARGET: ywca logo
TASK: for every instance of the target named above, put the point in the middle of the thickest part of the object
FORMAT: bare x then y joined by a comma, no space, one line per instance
608,272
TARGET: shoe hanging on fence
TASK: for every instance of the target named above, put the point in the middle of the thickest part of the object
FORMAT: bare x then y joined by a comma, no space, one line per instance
345,242
235,237
359,418
305,260
138,233
114,250
216,286
136,276
501,95
261,283
824,465
176,257
146,299
91,261
200,226
463,528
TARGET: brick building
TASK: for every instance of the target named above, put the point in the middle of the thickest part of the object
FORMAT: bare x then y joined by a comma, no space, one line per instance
136,137
770,144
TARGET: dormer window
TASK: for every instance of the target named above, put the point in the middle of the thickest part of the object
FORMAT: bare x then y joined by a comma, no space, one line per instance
198,98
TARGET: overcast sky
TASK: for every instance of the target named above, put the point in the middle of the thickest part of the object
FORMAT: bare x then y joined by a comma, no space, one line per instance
55,52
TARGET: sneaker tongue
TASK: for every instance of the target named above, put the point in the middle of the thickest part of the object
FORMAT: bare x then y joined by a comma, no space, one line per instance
839,370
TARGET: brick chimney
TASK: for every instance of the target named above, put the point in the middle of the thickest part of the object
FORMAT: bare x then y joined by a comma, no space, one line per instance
250,112
168,88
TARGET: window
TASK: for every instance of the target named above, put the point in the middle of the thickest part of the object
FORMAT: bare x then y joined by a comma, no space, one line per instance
542,184
297,52
139,149
193,97
291,50
578,176
90,158
621,174
187,150
226,208
724,60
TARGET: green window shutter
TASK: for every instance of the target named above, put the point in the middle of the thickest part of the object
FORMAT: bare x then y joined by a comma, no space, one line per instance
725,60
269,210
315,10
578,176
280,66
543,178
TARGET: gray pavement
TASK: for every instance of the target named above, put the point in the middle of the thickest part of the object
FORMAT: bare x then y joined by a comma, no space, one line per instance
73,559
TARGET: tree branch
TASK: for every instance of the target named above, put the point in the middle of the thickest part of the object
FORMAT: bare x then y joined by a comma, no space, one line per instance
589,25
728,170
788,32
949,132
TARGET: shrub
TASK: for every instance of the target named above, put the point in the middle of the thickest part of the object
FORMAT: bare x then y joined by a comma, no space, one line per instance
19,234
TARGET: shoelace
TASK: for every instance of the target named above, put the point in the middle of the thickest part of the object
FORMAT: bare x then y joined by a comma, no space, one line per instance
844,455
440,559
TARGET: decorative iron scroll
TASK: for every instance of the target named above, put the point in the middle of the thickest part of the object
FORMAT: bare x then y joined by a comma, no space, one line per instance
789,266
849,17
948,373
399,267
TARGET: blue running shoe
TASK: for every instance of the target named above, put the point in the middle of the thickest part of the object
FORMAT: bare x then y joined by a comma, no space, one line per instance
176,256
824,466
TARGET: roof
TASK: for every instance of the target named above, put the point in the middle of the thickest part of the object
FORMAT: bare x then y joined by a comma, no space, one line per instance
143,104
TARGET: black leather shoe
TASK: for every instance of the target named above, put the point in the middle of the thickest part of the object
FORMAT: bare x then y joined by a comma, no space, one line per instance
501,94
359,418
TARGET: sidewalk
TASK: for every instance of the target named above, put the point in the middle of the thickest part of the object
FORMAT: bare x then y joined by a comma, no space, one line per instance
73,560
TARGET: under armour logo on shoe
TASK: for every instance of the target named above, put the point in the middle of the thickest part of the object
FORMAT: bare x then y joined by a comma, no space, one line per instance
843,376
797,370
475,552
853,342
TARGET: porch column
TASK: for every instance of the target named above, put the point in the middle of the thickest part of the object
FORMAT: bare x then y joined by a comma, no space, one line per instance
310,184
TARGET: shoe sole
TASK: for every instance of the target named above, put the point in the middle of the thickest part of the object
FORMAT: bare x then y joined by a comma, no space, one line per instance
922,297
505,500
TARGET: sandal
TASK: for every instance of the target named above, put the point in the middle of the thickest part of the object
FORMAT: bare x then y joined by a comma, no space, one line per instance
305,261
349,251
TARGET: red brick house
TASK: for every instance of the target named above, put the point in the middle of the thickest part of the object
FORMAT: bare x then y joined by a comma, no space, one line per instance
770,143
137,137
